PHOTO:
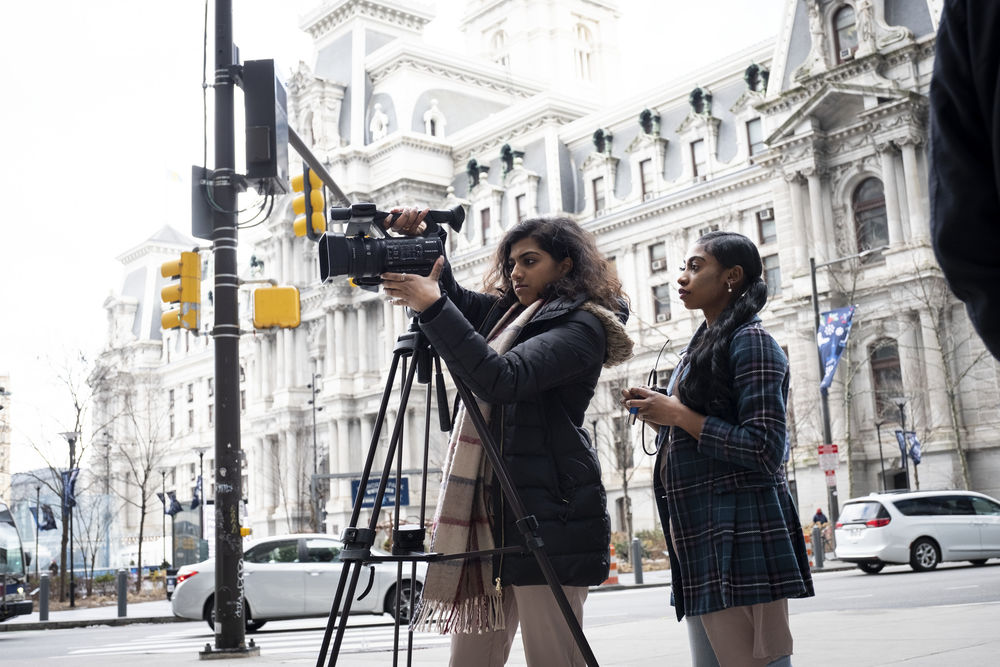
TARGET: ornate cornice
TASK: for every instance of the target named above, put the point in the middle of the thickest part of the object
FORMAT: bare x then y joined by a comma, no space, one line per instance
480,80
510,134
327,19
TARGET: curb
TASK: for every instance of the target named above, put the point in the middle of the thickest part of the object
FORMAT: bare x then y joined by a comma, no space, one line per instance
84,623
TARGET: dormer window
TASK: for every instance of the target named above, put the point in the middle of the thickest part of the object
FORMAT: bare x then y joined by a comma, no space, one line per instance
845,33
584,48
498,49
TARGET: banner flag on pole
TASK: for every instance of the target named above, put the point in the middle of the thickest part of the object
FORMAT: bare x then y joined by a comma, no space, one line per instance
48,518
914,447
196,494
34,514
69,487
902,444
834,328
175,506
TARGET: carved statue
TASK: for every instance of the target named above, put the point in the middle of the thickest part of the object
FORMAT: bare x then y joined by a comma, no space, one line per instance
379,125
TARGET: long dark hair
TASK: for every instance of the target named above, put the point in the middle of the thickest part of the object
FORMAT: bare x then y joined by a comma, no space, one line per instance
707,385
590,276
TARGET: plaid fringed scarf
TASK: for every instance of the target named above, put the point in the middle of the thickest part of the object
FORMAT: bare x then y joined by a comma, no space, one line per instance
458,595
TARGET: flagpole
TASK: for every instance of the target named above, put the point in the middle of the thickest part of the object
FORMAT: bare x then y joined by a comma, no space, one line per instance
163,520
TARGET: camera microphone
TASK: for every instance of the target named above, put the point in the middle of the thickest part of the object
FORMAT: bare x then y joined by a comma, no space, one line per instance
453,217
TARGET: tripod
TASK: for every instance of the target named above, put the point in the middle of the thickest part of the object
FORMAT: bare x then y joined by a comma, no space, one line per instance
358,541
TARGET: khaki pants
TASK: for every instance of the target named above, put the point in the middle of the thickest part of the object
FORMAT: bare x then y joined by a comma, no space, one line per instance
547,639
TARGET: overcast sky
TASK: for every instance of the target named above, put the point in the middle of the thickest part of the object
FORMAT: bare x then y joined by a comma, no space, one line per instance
102,120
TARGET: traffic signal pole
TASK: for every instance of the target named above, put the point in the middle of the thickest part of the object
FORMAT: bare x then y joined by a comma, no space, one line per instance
230,629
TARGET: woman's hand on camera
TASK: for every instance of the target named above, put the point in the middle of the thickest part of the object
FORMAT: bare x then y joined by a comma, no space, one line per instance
416,292
655,408
409,222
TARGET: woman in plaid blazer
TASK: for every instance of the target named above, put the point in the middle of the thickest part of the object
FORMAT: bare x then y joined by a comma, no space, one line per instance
737,551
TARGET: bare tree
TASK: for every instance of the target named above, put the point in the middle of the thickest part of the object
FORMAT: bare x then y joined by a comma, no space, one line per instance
142,446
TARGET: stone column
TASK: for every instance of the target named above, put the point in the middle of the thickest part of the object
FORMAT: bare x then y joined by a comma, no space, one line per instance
887,151
289,336
914,189
820,243
363,343
340,343
800,230
934,361
331,338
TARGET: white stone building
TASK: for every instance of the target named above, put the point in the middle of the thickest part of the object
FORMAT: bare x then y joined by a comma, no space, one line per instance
813,145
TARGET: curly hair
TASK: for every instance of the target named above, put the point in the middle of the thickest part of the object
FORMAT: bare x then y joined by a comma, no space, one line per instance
591,274
708,384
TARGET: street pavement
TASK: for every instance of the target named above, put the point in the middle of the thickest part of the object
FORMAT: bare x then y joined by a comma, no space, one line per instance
965,635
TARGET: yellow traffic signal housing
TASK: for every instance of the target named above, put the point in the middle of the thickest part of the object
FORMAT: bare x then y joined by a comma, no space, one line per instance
186,292
309,206
276,307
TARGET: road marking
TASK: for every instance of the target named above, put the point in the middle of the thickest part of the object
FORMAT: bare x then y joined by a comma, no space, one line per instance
959,588
853,597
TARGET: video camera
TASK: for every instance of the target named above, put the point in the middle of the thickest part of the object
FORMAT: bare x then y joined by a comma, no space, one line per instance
363,251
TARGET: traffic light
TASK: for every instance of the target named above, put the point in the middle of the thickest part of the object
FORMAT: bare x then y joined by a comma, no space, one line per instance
308,206
186,292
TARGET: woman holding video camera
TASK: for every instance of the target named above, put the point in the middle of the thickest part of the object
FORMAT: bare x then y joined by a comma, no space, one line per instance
736,547
530,347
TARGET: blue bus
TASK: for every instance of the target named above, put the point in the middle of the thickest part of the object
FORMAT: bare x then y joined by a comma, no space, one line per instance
14,600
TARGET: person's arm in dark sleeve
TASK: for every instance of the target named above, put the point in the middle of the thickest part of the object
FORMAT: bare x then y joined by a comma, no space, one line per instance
539,363
964,119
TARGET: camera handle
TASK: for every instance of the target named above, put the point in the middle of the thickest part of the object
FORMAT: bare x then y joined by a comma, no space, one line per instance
358,542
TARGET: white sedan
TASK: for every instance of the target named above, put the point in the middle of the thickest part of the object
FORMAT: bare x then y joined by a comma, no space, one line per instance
295,576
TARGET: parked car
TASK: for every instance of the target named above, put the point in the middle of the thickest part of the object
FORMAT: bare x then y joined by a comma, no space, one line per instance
922,528
295,576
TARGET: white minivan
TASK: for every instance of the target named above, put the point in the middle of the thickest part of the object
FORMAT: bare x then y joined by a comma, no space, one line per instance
922,528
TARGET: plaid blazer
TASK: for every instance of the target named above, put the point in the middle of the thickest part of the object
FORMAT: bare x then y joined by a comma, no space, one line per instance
736,537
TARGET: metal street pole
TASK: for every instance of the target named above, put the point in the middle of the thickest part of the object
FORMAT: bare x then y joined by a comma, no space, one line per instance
313,490
163,519
824,402
38,518
230,630
107,498
901,404
201,501
881,459
71,438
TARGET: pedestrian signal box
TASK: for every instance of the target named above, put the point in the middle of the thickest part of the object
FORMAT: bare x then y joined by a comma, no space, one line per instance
276,307
186,292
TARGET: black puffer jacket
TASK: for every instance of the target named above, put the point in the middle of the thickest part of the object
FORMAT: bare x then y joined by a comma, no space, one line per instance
539,390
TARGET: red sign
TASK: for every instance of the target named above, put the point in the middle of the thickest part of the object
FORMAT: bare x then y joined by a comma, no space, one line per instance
828,459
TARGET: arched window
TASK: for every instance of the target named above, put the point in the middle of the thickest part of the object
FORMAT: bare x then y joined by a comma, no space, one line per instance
870,223
887,378
498,48
584,46
845,33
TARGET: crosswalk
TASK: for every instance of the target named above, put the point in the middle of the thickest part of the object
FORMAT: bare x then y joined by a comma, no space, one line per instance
357,639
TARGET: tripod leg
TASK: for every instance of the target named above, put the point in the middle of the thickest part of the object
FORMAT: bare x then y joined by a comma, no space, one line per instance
526,524
359,548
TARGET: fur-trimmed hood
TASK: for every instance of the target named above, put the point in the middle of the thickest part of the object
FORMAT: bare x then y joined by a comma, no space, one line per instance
619,345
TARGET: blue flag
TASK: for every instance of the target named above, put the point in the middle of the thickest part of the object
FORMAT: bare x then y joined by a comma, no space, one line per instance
196,494
834,328
69,487
914,447
174,507
48,518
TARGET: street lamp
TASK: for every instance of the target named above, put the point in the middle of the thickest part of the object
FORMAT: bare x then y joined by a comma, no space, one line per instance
824,403
163,520
313,490
71,438
881,460
900,402
201,501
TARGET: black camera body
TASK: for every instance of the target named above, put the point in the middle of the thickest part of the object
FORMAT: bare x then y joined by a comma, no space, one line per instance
365,258
364,252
